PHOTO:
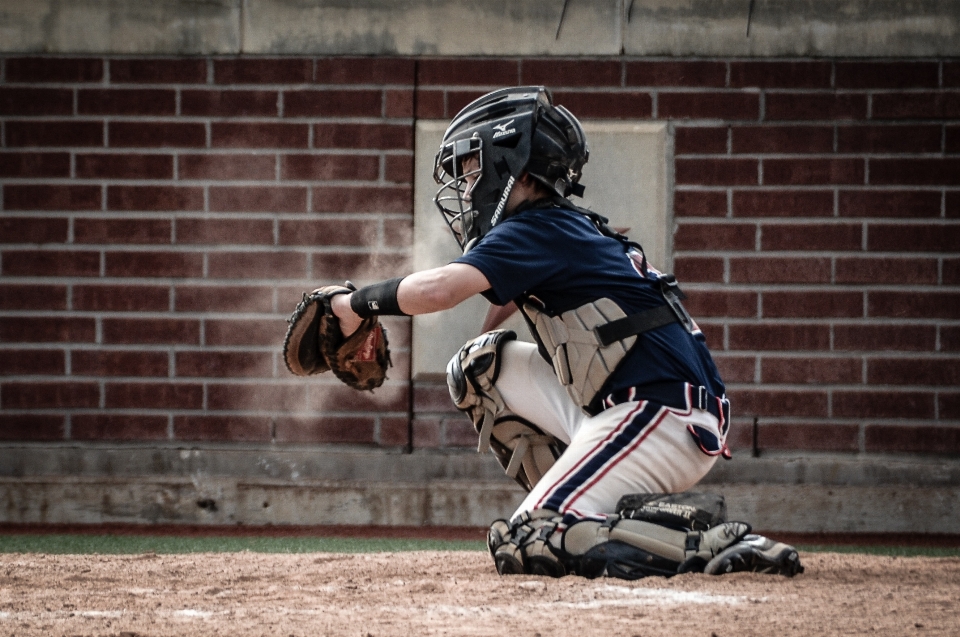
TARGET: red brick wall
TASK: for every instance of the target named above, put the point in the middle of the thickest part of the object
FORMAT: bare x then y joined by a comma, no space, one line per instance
160,217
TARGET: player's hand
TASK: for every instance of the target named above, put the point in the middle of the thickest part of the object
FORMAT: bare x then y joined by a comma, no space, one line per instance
349,320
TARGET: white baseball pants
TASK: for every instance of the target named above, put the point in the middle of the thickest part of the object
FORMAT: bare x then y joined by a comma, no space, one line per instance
632,447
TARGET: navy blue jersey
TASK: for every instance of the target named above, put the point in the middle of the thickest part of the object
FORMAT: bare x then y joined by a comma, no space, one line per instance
559,256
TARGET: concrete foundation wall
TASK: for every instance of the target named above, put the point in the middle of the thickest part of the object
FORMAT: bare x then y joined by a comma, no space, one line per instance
262,486
484,27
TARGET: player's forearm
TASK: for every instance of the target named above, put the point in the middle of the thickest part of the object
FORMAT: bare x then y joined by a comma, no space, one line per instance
420,293
440,288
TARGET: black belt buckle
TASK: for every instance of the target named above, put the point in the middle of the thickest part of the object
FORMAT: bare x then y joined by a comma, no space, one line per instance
672,293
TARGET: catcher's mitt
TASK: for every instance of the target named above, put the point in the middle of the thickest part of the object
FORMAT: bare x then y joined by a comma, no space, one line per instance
314,343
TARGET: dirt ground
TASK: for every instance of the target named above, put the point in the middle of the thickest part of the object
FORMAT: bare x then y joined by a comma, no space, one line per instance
459,593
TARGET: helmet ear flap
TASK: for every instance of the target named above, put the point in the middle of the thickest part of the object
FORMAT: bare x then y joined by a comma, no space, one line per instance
559,151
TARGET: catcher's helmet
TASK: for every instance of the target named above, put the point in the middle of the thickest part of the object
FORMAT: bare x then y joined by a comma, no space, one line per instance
508,131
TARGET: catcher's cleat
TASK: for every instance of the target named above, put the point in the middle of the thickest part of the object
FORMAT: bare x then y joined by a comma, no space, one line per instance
547,566
506,555
719,538
521,546
757,554
498,535
509,560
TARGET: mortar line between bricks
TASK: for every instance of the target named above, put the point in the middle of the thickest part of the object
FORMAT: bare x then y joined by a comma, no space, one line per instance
811,188
226,151
189,249
852,321
806,156
935,222
270,185
216,215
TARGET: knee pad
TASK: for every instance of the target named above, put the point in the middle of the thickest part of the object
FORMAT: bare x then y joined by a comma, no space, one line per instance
521,448
472,377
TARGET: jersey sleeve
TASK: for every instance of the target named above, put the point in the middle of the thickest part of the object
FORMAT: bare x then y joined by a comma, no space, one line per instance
515,256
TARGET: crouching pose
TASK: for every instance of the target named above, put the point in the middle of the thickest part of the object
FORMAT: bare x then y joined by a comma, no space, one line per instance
618,403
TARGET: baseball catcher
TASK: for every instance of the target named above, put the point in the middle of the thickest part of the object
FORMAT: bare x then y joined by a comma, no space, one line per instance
617,411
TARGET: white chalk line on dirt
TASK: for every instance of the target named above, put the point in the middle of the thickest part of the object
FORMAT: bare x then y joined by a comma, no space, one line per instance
623,596
608,596
603,597
184,613
191,613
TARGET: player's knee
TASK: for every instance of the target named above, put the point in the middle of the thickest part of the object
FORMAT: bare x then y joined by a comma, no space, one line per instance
473,371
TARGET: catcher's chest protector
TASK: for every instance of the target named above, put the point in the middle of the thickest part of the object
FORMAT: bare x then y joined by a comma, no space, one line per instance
582,363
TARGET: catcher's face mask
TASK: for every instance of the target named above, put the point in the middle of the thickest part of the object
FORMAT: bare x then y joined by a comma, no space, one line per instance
458,168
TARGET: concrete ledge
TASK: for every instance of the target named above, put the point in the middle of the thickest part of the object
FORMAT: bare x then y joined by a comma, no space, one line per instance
817,508
837,470
211,485
859,28
837,28
178,27
218,501
290,464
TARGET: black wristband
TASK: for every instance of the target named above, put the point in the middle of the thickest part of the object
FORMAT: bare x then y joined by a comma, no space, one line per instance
377,299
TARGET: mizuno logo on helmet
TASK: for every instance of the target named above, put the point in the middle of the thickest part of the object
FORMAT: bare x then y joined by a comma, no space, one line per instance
502,129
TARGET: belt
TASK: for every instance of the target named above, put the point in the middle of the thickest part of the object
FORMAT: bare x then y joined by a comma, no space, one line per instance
675,395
